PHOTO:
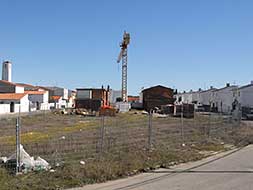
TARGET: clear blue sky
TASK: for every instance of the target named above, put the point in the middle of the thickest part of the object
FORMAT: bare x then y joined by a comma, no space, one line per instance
185,44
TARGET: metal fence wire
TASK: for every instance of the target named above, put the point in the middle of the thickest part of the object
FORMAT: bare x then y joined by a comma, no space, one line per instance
71,138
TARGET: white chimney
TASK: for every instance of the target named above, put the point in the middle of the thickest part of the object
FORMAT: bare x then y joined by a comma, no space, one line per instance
6,71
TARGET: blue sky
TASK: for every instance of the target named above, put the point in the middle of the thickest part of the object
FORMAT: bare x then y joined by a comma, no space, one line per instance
183,44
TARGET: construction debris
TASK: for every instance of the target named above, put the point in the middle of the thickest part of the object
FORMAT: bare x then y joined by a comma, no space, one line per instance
3,160
28,163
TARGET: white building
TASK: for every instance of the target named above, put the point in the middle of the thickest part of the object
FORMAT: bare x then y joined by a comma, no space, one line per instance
57,102
244,95
206,97
60,97
13,103
38,100
191,97
58,91
223,98
113,95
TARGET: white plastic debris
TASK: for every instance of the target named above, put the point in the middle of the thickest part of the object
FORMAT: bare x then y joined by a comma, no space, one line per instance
183,145
159,115
144,112
63,137
41,164
82,162
3,160
28,163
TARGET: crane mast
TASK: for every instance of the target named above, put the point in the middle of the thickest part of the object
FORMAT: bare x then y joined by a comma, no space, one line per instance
123,57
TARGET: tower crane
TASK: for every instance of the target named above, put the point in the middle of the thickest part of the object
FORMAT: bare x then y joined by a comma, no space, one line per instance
123,56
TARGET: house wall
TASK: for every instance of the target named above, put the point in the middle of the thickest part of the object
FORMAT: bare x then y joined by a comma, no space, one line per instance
21,105
206,97
196,97
61,92
114,94
70,103
19,89
36,98
83,94
98,94
4,88
156,97
223,99
245,96
44,106
46,97
188,97
4,108
24,105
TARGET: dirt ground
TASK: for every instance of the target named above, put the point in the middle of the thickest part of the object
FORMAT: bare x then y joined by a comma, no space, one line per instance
112,147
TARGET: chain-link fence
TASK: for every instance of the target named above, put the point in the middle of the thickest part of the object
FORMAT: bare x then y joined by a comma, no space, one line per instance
72,138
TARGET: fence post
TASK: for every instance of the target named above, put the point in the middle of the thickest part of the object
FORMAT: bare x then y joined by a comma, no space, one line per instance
102,133
18,145
209,126
182,123
150,130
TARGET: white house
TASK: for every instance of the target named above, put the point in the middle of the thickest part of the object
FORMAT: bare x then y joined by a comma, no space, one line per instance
71,99
57,102
38,100
223,98
14,102
206,97
191,97
244,95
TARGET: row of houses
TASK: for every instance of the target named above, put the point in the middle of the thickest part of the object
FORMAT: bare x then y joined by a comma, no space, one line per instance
15,97
221,100
21,97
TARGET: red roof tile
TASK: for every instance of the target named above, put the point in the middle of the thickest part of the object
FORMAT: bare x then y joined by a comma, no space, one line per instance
12,96
55,97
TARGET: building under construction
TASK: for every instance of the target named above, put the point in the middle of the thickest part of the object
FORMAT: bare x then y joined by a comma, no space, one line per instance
92,98
156,97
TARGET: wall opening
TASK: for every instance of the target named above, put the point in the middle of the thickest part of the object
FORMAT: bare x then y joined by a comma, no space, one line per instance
12,107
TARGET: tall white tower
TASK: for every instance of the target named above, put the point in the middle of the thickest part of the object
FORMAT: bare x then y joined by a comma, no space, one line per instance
6,71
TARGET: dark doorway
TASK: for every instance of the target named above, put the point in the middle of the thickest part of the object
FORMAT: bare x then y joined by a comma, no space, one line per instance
12,107
37,106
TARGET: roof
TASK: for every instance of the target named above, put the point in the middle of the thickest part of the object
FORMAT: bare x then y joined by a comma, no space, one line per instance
26,85
246,86
10,83
35,92
12,96
55,98
90,89
44,88
211,89
232,86
158,86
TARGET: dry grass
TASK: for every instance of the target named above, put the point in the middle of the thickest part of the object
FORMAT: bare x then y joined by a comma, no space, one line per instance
122,151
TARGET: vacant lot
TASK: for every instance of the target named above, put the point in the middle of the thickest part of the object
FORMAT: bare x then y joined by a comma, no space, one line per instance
112,147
